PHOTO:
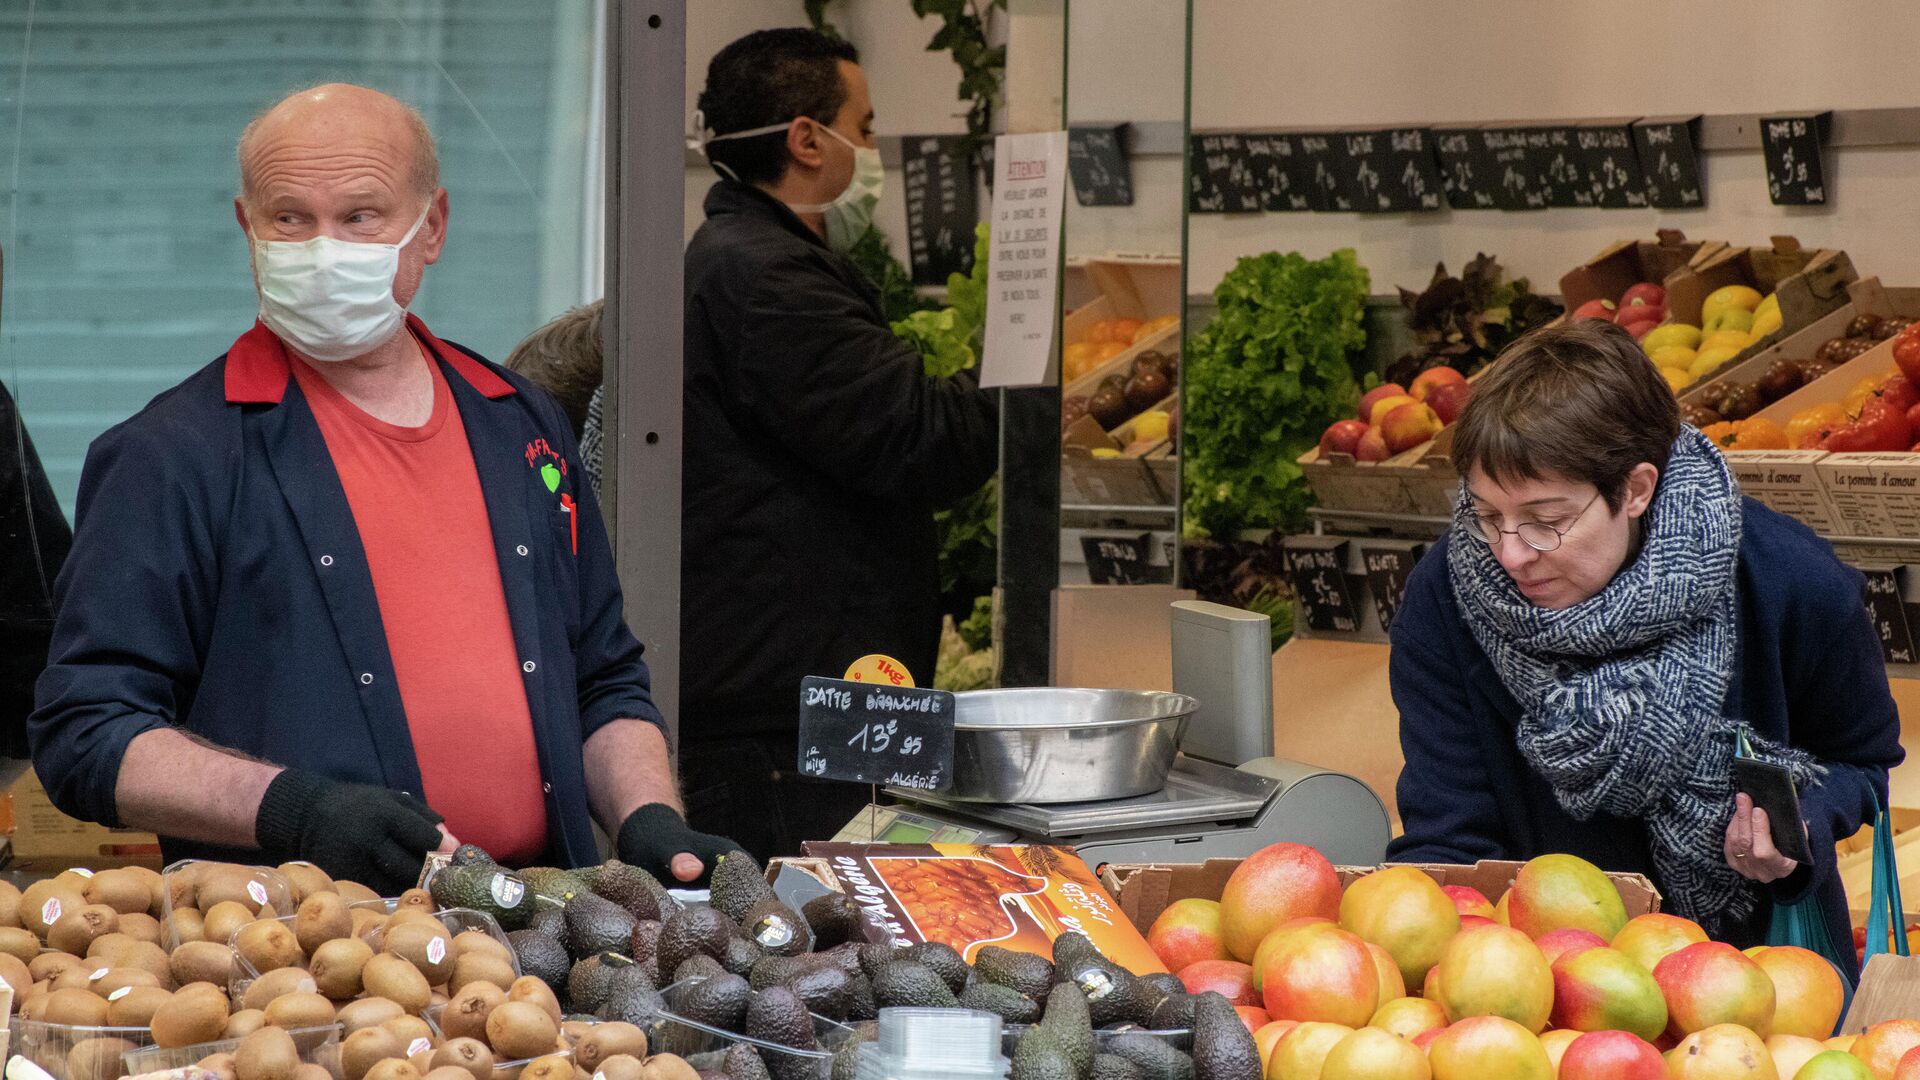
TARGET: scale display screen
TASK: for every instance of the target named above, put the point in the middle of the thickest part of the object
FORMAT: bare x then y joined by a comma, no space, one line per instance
905,832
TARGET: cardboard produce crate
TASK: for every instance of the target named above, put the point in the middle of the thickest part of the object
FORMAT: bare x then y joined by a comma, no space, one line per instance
46,839
1889,990
1810,283
1865,296
1144,891
1788,481
1341,483
1628,262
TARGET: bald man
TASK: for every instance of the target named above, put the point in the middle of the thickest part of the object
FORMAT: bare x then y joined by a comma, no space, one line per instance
341,595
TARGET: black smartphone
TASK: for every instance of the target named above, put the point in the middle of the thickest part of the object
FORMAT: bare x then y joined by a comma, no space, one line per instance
1771,789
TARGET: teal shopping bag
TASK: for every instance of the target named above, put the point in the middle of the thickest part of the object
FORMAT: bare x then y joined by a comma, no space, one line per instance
1804,923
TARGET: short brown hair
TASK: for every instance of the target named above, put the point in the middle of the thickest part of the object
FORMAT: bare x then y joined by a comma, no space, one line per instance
564,356
1578,400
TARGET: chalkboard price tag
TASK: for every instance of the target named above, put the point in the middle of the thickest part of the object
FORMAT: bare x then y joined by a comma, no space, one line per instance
1556,157
1516,181
1465,169
1387,571
1610,168
1318,567
1223,180
1391,171
1284,176
1886,603
1670,161
1123,560
1325,156
1097,161
868,734
1792,146
942,207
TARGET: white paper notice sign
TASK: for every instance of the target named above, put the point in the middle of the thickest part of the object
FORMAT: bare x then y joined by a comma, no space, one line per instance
1023,257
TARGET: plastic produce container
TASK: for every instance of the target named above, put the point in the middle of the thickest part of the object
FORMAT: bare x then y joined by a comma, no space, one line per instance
265,887
456,920
317,1046
51,1046
703,1045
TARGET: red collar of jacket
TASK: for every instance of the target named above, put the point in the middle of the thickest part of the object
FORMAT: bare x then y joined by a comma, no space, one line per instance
258,367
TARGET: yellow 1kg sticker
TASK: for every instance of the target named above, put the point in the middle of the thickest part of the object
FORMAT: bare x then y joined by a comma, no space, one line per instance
877,668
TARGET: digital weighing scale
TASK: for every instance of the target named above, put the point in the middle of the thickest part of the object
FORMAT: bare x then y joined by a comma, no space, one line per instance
1225,797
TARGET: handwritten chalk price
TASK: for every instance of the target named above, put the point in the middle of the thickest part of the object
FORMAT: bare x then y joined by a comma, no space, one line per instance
876,734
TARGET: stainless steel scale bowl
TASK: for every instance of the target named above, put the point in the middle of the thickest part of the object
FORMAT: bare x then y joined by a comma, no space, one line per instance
1063,745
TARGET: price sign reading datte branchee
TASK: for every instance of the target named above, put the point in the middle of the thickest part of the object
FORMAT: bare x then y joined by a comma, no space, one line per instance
875,734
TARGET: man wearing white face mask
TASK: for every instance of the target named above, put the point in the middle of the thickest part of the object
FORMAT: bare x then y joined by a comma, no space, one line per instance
816,449
339,596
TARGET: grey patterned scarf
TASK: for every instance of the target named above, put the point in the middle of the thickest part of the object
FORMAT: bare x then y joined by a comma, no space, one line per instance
1623,696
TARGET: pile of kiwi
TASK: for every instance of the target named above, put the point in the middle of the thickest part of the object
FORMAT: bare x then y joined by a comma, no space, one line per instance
323,991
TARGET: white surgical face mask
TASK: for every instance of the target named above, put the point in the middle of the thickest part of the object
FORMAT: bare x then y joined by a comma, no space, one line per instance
331,299
851,214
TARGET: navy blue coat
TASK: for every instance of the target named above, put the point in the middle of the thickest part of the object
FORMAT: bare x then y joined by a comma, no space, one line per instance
1808,672
217,583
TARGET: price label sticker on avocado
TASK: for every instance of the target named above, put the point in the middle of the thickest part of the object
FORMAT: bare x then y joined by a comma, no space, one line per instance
876,733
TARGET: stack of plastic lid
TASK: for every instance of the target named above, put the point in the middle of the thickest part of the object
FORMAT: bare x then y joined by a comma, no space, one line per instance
935,1044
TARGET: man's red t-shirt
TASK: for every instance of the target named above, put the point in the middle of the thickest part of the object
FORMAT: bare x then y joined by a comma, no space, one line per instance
423,521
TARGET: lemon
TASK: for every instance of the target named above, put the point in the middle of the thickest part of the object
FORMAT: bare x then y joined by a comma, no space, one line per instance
1105,453
1726,339
1709,359
1729,296
1150,426
1729,319
1673,356
1677,379
1771,303
1687,337
1766,322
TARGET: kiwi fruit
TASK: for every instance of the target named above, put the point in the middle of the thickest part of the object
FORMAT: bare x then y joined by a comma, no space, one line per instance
81,1008
186,924
468,1055
183,885
393,978
312,1072
300,1009
140,926
620,1067
223,920
411,1029
220,1065
268,945
225,883
202,961
125,893
108,947
76,978
480,967
534,992
418,899
135,1005
469,942
244,1023
426,946
113,980
275,983
363,1049
551,1067
521,1029
146,956
45,902
19,943
321,918
354,893
366,1013
305,879
13,972
393,1069
10,904
668,1067
466,1015
337,964
267,1054
610,1040
97,1059
34,1007
49,966
190,1016
446,1072
76,928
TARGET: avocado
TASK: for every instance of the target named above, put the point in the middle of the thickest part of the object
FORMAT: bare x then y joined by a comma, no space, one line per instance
1004,1001
742,1062
860,1002
485,887
636,1005
644,944
740,955
777,1016
1174,1013
1029,974
1065,1016
1164,982
826,990
1113,994
1223,1048
738,883
944,961
718,1001
542,957
776,971
905,983
846,1060
1115,1067
833,918
624,973
468,854
689,931
551,921
1152,1056
1039,1056
698,966
1074,946
596,924
875,957
776,928
635,890
845,956
589,983
553,882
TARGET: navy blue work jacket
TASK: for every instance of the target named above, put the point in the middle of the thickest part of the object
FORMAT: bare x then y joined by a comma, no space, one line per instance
218,584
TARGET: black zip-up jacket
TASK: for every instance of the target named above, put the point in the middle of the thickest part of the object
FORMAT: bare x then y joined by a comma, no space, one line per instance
816,453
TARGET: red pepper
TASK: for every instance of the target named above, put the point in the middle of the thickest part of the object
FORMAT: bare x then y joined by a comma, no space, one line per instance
1879,427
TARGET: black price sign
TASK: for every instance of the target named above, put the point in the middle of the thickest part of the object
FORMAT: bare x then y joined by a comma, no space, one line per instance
1886,603
1324,155
1318,567
871,734
1464,169
1392,171
1556,158
1516,181
941,206
1097,161
1284,176
1123,560
1792,146
1610,169
1387,571
1223,180
1670,161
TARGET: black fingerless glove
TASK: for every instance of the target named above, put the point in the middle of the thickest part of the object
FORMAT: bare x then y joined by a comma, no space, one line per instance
652,835
357,832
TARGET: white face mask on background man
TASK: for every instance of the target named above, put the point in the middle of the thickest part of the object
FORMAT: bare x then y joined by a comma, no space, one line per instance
848,216
330,299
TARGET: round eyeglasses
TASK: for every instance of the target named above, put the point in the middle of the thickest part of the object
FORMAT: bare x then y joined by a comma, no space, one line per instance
1537,535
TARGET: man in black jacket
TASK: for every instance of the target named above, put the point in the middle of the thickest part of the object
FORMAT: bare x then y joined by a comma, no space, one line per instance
34,539
817,449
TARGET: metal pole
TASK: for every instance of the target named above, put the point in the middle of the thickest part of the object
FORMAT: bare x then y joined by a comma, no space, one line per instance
646,181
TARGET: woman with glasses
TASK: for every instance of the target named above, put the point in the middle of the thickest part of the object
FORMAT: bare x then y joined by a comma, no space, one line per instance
1575,660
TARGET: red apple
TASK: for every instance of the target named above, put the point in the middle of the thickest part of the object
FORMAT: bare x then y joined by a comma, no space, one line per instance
1596,309
1341,437
1408,426
1634,316
1372,447
1449,399
1378,393
1640,330
1646,292
1425,383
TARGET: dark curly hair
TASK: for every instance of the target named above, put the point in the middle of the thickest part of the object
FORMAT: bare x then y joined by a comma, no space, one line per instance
771,77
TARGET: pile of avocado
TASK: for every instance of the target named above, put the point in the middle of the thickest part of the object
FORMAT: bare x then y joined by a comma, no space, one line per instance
609,939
